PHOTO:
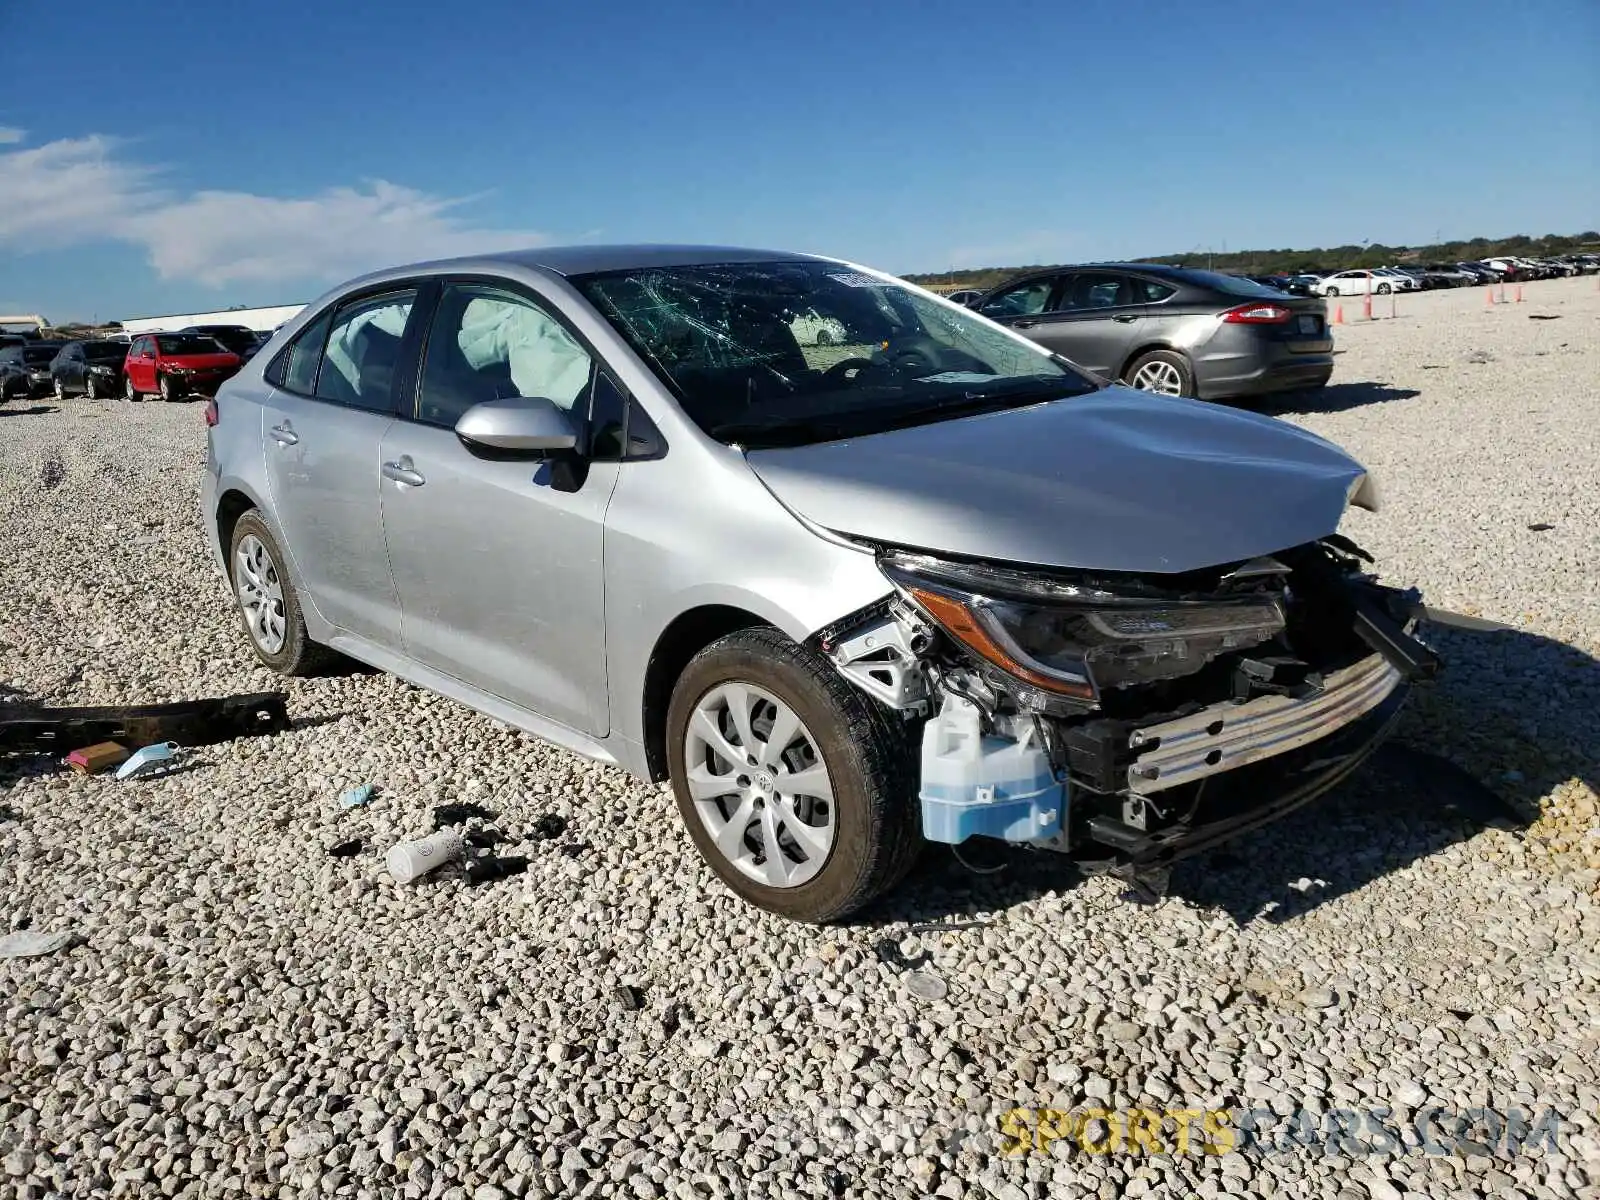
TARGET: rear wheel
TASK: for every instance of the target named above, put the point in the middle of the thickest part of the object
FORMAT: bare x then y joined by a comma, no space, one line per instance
796,788
1162,371
268,603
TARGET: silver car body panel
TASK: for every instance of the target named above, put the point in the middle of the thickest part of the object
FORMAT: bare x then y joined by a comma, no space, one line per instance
1118,480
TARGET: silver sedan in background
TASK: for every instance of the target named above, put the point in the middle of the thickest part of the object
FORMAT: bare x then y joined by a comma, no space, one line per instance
925,580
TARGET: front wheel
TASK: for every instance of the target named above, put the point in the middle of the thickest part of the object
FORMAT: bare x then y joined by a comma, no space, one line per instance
1162,371
167,391
797,789
58,387
1383,289
1333,291
90,391
129,392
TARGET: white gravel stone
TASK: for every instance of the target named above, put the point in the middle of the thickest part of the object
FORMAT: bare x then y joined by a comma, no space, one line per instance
243,1015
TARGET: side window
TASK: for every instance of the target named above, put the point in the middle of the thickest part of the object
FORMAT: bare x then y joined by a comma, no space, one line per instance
1092,291
1024,300
489,345
1148,291
295,367
363,351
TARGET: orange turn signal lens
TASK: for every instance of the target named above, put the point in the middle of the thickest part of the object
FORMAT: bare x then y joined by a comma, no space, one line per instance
957,620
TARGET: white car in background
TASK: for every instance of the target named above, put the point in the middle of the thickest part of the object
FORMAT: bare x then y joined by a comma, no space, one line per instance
812,329
1362,282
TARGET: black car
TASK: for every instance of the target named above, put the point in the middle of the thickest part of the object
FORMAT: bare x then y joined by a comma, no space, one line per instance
239,339
93,368
1174,330
25,369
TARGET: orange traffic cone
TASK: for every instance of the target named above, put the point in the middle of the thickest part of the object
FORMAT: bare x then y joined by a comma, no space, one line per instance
1338,314
1488,297
1519,293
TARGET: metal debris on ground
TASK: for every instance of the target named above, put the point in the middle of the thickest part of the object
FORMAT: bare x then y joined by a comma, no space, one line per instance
549,826
459,814
24,943
25,728
152,760
91,760
925,985
356,796
949,926
347,849
1544,316
1540,527
889,953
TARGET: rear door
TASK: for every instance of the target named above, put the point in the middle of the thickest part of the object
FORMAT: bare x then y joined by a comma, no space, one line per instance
333,398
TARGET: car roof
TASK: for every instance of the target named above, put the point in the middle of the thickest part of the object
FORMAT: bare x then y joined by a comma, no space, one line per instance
585,260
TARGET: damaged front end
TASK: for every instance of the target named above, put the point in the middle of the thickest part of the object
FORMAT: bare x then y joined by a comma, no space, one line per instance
1143,717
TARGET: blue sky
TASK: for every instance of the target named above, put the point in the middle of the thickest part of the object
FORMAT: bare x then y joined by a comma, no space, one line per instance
259,154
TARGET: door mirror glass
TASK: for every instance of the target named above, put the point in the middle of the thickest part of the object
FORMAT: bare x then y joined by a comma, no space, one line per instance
528,425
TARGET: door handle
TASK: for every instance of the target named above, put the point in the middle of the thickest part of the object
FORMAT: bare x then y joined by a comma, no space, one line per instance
404,472
285,435
1028,323
1124,318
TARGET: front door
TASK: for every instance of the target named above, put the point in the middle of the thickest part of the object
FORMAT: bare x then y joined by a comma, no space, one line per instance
499,563
141,366
1095,320
324,428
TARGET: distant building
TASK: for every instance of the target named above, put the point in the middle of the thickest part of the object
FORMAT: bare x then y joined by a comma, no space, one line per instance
251,318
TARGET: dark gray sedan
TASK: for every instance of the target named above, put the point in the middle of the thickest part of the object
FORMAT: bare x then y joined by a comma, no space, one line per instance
1173,330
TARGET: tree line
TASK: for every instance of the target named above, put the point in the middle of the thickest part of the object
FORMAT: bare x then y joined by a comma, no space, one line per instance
1335,258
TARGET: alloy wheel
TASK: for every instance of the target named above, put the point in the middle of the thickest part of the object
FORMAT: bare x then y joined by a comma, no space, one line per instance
260,593
128,390
1159,376
760,785
61,391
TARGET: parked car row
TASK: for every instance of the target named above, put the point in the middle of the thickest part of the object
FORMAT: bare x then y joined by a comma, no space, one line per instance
169,365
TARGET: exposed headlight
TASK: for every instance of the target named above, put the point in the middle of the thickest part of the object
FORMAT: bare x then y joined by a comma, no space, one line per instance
178,370
1078,641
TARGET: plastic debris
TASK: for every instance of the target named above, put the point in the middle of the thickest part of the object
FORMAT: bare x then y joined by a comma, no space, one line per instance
550,826
24,943
889,952
457,814
491,867
925,985
1540,527
91,760
573,849
7,813
628,997
347,849
24,728
410,861
357,796
152,760
485,839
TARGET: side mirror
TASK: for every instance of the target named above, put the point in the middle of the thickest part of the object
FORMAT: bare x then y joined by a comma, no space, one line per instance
528,425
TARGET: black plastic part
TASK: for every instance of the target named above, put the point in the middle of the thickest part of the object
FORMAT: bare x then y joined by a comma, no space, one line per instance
189,723
456,814
551,825
1379,630
1098,755
487,870
629,997
346,849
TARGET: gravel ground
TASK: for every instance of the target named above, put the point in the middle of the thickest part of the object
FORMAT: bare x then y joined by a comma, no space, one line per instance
241,1013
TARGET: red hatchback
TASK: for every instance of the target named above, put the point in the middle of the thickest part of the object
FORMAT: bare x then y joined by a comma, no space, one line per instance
176,364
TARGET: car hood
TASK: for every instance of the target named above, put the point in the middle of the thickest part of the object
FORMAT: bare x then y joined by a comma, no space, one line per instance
1118,480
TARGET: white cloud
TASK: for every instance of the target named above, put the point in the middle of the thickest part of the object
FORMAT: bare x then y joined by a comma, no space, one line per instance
78,190
10,135
68,191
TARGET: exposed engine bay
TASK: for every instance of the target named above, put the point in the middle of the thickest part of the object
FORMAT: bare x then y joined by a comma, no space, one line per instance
1148,717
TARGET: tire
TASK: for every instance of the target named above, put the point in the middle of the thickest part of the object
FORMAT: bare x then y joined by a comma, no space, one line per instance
129,392
1170,369
1333,291
1383,289
865,755
165,390
824,338
89,390
295,653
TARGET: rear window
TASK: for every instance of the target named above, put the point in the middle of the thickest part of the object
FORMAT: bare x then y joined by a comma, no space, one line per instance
1233,285
105,350
188,343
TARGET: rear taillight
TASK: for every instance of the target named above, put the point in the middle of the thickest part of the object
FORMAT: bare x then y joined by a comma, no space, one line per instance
1257,314
211,411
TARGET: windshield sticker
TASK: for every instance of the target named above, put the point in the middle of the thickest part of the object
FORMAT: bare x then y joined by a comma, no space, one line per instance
856,279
